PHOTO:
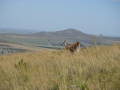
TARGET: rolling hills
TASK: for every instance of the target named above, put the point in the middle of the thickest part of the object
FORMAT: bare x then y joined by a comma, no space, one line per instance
55,39
94,68
77,35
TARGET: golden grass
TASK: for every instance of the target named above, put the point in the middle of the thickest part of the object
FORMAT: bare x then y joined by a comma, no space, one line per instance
94,68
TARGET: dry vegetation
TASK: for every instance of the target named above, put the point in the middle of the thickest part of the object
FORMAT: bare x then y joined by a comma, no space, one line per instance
95,68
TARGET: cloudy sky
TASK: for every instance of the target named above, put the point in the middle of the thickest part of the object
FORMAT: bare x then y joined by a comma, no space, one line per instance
89,16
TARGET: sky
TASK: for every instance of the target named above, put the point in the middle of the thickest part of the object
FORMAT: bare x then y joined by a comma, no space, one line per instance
89,16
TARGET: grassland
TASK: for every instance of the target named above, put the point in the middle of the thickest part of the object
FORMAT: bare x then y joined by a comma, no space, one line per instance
38,42
23,40
94,68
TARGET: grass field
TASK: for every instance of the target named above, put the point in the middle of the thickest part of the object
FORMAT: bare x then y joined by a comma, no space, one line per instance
94,68
38,42
23,40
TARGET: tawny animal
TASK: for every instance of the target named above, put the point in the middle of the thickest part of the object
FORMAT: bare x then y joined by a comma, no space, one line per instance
73,47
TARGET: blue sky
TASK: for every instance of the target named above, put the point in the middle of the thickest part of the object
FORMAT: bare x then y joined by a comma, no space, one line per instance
89,16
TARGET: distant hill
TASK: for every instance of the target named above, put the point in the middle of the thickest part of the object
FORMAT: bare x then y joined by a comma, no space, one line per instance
56,38
14,31
77,35
66,33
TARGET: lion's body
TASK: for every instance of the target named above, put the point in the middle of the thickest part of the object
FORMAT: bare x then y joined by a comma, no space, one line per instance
73,47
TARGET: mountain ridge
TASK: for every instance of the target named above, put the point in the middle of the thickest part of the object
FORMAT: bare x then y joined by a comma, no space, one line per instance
69,34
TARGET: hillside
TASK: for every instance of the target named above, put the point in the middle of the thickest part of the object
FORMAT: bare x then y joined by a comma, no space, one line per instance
55,39
74,34
95,68
66,33
8,48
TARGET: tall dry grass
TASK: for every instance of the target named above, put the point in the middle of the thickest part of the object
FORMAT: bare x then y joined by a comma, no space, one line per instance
95,68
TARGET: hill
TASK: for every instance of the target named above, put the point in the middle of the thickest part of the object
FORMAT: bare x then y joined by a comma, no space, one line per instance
66,33
14,31
55,39
76,35
95,68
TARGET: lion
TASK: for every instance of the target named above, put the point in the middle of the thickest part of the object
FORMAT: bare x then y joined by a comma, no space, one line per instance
73,47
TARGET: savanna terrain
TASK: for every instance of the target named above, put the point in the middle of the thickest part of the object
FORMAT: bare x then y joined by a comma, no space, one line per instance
93,68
